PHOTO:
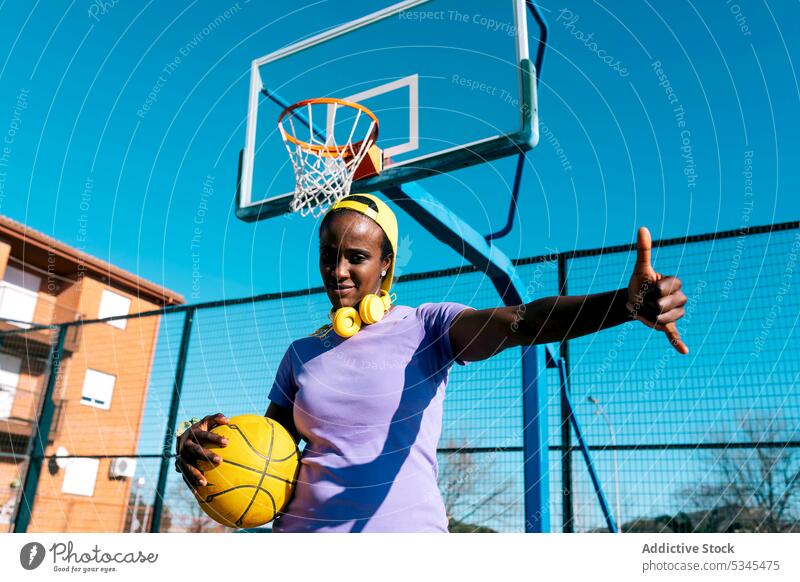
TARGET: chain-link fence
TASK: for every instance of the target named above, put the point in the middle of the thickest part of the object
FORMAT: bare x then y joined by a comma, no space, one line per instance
704,442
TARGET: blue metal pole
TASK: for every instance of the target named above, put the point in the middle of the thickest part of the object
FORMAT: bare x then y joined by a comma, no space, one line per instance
534,440
169,436
543,34
512,208
567,507
601,496
40,436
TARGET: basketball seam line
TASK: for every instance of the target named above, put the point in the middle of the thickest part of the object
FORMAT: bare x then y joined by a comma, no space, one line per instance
249,444
263,473
245,467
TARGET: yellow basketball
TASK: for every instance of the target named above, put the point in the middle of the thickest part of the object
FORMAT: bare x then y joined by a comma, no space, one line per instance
257,474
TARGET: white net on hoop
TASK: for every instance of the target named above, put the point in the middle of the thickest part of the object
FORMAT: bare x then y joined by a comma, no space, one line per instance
323,167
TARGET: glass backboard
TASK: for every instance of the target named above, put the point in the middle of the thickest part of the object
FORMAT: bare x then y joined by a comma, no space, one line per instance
451,82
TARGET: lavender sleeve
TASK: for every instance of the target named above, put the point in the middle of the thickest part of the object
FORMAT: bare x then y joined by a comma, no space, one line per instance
436,319
284,387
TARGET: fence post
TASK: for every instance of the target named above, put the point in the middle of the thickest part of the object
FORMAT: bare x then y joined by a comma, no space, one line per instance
169,436
534,440
567,509
41,433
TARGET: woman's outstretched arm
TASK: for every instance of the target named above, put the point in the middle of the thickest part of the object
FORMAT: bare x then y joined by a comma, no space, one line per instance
653,299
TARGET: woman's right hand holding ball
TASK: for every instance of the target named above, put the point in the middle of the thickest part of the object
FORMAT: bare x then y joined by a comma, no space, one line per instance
190,447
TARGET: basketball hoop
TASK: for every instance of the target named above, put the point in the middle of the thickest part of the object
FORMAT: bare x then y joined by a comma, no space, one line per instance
325,167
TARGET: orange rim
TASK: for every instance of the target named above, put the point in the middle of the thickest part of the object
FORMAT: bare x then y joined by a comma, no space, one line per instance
345,151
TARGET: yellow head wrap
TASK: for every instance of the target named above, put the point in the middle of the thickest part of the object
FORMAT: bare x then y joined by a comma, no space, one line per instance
379,211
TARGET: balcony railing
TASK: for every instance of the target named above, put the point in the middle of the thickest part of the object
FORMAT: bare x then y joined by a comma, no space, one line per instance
21,310
19,409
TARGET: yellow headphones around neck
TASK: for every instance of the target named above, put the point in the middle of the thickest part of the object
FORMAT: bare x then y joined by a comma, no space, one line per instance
346,321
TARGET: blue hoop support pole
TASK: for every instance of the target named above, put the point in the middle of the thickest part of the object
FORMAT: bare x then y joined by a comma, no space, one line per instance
450,229
534,440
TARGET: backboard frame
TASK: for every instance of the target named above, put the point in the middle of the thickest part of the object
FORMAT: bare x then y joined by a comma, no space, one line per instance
523,139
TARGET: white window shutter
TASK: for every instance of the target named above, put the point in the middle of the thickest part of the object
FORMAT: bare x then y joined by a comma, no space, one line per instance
98,388
80,477
18,295
112,304
9,378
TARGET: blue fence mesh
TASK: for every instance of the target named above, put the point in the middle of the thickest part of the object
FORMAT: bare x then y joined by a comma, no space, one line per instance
704,442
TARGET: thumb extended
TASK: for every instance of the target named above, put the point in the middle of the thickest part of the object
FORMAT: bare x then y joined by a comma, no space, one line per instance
644,246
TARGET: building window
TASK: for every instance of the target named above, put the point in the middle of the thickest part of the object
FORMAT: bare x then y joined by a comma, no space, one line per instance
98,387
81,476
19,291
9,378
112,304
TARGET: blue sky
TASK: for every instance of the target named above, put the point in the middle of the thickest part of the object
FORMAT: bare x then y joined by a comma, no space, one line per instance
679,116
73,79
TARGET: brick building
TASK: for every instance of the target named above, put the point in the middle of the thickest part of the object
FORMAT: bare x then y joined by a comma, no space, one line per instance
100,392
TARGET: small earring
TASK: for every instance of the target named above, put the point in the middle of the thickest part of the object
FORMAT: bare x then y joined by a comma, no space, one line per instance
383,273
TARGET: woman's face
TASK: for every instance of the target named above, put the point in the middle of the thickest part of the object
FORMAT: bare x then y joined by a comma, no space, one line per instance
350,262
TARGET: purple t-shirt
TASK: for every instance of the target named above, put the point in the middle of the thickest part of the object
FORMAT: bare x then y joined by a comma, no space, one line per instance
370,410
